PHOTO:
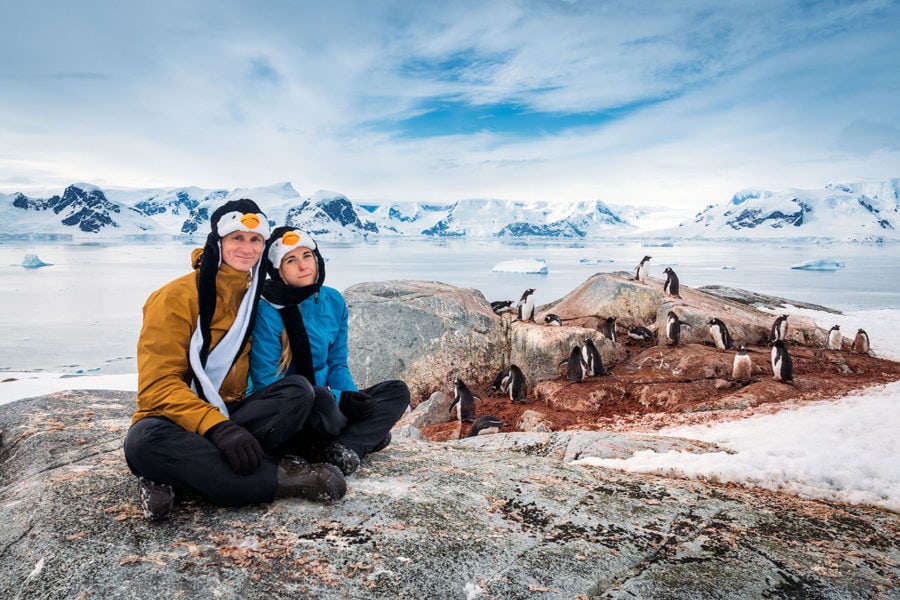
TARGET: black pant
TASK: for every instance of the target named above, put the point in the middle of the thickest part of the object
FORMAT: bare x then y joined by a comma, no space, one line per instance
327,422
160,450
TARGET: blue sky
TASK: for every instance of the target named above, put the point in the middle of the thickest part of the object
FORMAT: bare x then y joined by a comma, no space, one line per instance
676,103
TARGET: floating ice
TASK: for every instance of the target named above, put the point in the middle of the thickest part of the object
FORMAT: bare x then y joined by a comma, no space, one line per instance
591,261
729,268
819,264
31,261
522,265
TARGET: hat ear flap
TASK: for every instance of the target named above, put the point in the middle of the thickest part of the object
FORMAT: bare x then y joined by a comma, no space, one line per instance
206,290
320,264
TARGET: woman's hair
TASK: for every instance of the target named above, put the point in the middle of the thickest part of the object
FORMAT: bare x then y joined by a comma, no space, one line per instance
284,361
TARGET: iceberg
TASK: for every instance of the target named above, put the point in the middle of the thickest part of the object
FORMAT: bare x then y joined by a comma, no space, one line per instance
592,261
31,261
522,265
729,268
819,264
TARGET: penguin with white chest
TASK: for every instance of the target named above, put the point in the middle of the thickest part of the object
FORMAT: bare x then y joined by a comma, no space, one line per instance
779,329
501,306
593,362
486,424
464,401
861,342
525,307
639,333
834,338
741,368
670,287
553,320
782,364
517,385
719,333
642,270
673,328
608,328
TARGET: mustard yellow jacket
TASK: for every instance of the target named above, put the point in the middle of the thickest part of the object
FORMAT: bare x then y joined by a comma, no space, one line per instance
164,370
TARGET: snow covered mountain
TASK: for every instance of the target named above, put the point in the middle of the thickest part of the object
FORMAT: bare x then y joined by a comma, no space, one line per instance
85,210
843,212
857,212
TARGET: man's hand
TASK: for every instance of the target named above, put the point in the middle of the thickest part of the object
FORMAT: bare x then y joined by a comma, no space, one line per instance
242,450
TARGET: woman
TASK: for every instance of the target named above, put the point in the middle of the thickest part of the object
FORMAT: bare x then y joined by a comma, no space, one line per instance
195,428
302,330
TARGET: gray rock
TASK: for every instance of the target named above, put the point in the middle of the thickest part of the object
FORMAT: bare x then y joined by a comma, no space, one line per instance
500,516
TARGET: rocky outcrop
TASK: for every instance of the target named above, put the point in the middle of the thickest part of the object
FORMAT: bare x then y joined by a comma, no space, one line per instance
501,516
427,332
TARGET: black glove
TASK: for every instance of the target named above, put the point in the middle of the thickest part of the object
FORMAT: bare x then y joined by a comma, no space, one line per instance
357,406
242,450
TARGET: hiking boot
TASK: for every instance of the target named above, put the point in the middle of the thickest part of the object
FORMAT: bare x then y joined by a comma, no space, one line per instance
316,482
337,454
156,499
382,444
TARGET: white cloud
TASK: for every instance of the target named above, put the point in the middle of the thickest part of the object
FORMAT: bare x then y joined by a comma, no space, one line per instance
230,94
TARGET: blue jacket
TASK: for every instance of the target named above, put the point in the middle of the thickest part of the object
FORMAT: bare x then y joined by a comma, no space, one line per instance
325,319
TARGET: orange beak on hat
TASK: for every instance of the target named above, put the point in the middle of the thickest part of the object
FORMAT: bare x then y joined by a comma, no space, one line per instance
250,220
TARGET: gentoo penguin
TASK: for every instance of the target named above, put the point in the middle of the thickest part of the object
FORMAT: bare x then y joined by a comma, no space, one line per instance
516,384
721,338
526,306
861,342
779,329
464,401
673,328
638,332
486,424
670,287
782,365
501,306
552,319
575,366
593,363
741,368
501,381
834,338
608,328
642,270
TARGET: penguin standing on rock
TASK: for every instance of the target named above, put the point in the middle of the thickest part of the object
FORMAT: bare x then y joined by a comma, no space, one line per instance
861,342
464,401
721,338
593,362
673,328
517,385
779,329
526,306
640,333
670,287
782,364
553,320
834,338
486,424
741,368
642,270
576,369
608,328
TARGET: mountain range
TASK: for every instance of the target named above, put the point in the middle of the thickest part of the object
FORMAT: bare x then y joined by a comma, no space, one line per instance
860,212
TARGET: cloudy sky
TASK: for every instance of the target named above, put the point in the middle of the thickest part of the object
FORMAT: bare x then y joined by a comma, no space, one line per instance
679,102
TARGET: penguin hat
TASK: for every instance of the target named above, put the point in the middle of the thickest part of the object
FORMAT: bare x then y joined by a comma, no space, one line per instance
285,239
234,215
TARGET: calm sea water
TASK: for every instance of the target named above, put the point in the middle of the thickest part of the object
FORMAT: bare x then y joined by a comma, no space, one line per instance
83,313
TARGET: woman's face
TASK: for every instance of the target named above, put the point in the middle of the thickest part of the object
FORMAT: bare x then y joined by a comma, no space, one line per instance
241,250
298,267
